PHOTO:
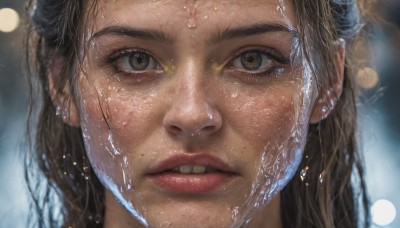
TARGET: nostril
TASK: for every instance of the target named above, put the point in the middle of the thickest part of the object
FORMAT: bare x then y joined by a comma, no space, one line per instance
174,129
204,130
208,128
193,121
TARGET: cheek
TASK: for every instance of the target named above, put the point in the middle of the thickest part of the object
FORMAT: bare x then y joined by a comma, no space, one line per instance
131,117
114,122
265,122
119,112
264,119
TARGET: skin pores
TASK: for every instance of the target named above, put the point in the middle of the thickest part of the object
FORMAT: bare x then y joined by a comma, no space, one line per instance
159,97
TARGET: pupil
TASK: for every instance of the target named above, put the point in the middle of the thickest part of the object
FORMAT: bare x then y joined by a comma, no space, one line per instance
251,60
139,61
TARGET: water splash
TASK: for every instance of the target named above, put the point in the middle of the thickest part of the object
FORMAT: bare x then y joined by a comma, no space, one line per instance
136,209
114,151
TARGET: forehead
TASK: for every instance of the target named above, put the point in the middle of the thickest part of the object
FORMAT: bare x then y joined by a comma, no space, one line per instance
192,16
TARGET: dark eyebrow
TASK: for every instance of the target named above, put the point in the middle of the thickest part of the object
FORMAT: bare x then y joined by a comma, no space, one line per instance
133,32
256,29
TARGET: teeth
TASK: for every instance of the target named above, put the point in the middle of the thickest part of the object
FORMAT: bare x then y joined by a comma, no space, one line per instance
185,169
199,169
193,169
210,170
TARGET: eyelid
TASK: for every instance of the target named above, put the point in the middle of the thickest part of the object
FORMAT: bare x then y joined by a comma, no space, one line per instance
270,52
279,63
115,56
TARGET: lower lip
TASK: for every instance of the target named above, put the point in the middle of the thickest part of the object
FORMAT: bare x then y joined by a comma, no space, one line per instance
192,183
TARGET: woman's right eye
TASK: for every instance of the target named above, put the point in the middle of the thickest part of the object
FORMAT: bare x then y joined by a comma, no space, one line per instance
133,61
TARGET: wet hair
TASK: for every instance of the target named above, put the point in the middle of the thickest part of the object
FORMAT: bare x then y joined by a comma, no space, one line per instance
58,173
331,149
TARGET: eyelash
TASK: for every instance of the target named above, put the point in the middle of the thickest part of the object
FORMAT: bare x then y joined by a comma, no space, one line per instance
272,55
118,56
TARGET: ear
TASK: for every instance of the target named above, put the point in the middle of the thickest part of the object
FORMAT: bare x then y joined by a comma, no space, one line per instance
327,99
62,98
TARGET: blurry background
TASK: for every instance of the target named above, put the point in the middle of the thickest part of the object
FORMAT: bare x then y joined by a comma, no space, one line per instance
379,116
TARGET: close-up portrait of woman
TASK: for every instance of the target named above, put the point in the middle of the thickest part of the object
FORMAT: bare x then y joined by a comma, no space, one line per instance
194,113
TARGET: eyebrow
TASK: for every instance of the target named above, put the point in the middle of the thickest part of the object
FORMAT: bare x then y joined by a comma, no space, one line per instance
252,30
145,34
220,35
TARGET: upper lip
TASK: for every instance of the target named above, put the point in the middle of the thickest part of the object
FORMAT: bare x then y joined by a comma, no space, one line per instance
202,159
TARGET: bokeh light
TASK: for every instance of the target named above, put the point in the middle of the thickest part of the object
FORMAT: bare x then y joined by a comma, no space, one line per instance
367,78
383,212
9,20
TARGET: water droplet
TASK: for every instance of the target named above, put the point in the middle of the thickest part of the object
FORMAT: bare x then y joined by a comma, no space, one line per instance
74,163
192,23
279,71
303,173
322,177
324,109
125,159
58,111
124,123
97,219
205,17
65,114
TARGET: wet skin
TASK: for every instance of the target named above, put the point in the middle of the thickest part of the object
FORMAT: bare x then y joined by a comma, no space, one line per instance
167,78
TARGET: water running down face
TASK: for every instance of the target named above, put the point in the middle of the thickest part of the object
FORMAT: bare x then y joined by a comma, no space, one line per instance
194,113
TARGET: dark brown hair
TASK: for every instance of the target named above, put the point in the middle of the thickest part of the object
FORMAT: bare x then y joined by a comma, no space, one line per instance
54,29
341,199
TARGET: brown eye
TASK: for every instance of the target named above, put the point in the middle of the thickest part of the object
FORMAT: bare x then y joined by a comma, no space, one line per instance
253,61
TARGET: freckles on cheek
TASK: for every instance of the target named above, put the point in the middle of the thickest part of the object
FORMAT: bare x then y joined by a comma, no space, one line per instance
126,117
266,120
92,112
130,117
114,125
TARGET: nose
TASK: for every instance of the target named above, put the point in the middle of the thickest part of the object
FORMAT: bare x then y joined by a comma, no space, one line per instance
192,115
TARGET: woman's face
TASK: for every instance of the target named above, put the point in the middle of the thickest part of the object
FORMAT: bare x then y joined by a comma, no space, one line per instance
193,112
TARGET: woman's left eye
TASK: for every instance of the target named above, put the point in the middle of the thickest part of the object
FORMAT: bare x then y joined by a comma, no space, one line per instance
135,61
253,61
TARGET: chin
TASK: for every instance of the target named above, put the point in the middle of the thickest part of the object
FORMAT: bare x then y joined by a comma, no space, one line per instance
191,214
